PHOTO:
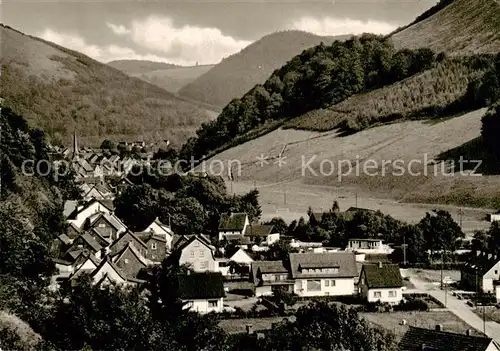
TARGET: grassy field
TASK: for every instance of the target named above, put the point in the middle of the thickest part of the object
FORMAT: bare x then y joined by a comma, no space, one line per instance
414,144
174,79
392,321
491,313
474,24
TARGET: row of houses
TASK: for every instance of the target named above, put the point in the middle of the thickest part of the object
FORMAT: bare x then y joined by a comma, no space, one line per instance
328,274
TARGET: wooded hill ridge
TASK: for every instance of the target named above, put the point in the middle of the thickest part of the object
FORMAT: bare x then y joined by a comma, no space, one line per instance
47,84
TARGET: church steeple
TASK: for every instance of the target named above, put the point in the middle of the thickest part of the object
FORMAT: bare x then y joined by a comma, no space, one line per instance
76,152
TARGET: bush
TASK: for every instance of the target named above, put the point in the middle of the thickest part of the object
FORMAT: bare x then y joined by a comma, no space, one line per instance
412,305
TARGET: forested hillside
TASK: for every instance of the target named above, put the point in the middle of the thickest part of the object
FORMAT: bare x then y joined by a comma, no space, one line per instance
47,83
319,77
239,73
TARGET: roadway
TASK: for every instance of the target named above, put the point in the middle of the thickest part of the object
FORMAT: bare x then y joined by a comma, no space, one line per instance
457,307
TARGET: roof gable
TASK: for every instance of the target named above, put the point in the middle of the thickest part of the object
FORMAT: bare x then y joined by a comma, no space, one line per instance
414,338
264,267
382,275
130,248
344,261
124,236
262,230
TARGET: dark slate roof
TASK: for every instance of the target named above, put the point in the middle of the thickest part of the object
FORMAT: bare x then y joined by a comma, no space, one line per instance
382,276
206,285
106,203
441,341
130,247
185,240
259,230
146,236
91,241
264,267
138,240
344,261
65,239
235,221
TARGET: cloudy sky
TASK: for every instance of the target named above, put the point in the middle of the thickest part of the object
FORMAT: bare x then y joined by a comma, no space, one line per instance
189,31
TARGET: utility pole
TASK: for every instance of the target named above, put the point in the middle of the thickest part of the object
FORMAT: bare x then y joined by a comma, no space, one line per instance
284,197
460,214
404,250
442,258
356,200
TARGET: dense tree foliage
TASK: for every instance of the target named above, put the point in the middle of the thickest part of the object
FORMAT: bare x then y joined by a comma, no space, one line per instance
191,204
323,326
440,231
319,77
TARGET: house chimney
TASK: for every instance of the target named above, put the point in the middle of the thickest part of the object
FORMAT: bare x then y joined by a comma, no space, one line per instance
380,265
249,328
439,327
467,332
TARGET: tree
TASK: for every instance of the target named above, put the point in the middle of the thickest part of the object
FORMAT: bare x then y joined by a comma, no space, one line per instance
494,237
323,326
278,251
108,145
479,242
440,231
279,225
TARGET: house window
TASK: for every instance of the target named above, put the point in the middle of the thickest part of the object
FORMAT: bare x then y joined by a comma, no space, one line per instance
327,283
204,265
392,293
126,261
377,294
153,246
213,303
332,283
202,253
196,244
496,272
362,280
314,285
102,225
192,253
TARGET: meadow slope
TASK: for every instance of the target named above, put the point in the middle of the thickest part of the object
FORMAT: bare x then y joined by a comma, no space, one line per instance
462,27
422,141
46,83
166,76
238,73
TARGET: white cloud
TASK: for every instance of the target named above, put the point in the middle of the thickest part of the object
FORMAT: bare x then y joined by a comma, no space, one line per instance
183,44
338,26
118,29
99,53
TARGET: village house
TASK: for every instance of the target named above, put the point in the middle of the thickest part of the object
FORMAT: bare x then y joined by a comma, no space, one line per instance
368,246
270,276
124,240
202,292
96,191
84,243
107,225
158,228
381,282
481,273
420,339
196,252
307,274
108,273
495,216
323,274
234,223
85,264
84,211
156,243
130,261
262,234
